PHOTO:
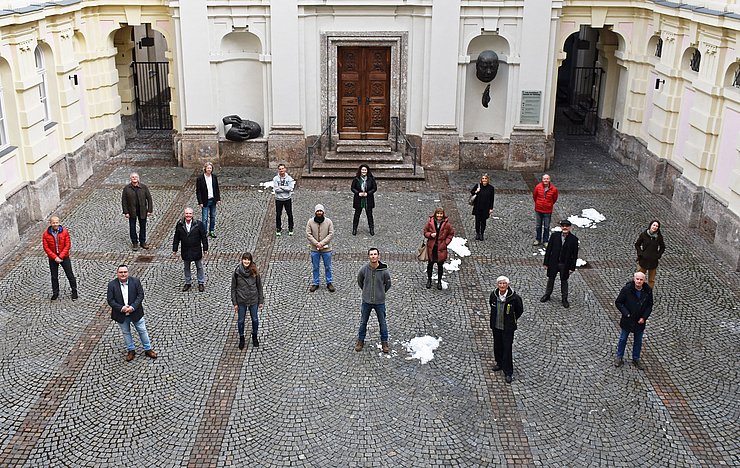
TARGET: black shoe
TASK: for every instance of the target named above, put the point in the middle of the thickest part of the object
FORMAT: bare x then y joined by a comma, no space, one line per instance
186,288
372,230
255,341
74,295
201,287
508,379
429,283
545,298
241,342
439,284
354,230
331,287
55,296
497,368
566,304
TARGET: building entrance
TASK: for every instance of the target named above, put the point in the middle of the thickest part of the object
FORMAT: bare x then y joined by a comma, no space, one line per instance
363,93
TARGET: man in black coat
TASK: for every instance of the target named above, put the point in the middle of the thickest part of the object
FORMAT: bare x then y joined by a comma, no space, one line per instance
191,233
560,257
125,296
635,302
506,308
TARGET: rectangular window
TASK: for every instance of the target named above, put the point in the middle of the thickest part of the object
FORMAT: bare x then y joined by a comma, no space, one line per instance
41,70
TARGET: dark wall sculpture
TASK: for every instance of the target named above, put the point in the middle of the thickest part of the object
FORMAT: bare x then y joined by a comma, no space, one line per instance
486,68
241,129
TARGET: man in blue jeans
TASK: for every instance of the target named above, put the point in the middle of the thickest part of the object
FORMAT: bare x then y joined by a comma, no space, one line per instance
319,233
635,302
374,280
125,296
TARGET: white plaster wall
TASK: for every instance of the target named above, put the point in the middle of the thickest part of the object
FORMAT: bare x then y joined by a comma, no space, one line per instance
238,90
478,119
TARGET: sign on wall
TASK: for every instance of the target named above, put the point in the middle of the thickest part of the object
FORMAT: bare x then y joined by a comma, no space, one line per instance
531,103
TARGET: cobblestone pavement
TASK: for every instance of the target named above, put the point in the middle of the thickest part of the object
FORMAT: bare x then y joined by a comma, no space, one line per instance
305,397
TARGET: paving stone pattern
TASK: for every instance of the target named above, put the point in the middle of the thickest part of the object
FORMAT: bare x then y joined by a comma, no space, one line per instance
305,397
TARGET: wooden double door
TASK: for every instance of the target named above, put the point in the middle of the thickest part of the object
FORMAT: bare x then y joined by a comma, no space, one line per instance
363,93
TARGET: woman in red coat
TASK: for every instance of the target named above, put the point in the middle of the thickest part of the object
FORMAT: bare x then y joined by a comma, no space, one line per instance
439,233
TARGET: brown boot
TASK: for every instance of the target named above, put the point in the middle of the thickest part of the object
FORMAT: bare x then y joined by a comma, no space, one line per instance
386,348
359,345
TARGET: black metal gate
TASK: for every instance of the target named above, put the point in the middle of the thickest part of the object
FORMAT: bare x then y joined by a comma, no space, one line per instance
152,96
584,91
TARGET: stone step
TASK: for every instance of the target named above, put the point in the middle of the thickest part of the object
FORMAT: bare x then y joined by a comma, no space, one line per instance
363,146
323,170
367,158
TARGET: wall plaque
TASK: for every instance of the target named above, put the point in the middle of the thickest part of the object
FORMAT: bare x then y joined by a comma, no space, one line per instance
531,103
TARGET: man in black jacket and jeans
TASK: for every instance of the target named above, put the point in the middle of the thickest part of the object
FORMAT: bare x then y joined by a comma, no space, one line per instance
192,234
506,308
560,257
635,302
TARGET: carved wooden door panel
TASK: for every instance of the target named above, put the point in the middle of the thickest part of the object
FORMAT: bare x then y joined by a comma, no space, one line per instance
364,93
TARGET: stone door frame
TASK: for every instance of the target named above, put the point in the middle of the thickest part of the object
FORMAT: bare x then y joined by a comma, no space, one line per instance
398,43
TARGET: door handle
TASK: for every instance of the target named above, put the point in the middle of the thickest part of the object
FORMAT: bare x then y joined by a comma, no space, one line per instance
367,99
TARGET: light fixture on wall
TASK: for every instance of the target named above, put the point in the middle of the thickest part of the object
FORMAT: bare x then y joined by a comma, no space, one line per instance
658,82
73,79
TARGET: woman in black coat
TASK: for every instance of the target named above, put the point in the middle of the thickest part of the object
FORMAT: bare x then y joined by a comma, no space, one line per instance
650,248
483,204
364,188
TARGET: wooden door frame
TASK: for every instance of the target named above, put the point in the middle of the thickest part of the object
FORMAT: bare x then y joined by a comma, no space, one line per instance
331,41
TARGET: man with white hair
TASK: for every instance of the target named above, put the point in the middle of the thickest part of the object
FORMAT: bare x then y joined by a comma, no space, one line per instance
635,302
506,308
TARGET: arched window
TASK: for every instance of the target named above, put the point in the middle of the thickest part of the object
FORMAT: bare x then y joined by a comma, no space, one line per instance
41,71
3,126
695,60
736,79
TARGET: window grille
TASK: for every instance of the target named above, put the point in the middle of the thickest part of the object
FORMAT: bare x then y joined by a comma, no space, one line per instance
41,70
659,48
695,60
736,80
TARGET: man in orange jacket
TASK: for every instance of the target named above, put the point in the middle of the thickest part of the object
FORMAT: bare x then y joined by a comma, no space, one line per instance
544,196
56,245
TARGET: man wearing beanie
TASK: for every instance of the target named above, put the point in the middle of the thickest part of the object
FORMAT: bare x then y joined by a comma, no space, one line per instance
319,232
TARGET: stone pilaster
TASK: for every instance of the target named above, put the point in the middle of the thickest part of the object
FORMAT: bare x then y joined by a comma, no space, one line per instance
286,144
440,148
196,145
687,201
727,239
529,150
11,237
43,195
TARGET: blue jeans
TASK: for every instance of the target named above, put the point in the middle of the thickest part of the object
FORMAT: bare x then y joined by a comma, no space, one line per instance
542,231
253,312
636,346
209,208
326,257
380,312
198,271
141,237
140,328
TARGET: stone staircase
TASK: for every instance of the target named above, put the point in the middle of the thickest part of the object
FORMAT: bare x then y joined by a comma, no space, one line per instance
384,163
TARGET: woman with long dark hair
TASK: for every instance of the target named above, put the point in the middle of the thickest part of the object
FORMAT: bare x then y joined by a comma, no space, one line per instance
439,233
483,204
364,188
246,293
650,248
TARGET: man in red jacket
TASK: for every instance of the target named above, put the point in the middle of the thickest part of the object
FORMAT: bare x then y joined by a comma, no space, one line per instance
56,245
544,195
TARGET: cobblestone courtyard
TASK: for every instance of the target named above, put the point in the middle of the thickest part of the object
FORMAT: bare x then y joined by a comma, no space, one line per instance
305,397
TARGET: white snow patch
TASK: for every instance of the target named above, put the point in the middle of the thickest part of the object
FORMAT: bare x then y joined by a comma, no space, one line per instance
580,222
581,262
556,229
458,246
268,185
588,219
422,348
454,265
594,215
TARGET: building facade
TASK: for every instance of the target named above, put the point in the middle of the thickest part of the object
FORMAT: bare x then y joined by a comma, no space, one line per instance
656,81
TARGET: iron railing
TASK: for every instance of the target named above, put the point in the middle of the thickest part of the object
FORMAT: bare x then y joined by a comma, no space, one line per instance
399,133
317,144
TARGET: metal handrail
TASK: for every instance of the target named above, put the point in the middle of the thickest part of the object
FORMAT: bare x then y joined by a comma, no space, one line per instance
409,145
310,150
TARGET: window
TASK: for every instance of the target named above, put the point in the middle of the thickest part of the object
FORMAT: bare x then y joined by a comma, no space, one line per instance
695,60
736,79
41,70
3,131
659,48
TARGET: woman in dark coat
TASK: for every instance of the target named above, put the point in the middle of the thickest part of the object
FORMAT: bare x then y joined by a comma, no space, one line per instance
439,233
246,293
483,204
650,248
364,188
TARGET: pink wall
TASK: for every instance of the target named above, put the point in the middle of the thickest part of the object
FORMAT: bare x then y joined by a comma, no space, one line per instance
727,153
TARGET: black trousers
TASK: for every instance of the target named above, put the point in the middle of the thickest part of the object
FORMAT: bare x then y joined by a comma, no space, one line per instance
54,268
430,267
279,205
480,224
368,212
564,275
503,342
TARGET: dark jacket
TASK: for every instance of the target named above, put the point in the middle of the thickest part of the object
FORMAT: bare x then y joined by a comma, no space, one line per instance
50,245
557,253
201,189
246,289
484,200
649,250
634,308
130,196
443,239
370,187
374,283
135,299
191,241
513,309
544,201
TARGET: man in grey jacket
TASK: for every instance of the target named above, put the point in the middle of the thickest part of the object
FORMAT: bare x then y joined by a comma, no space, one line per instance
374,280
